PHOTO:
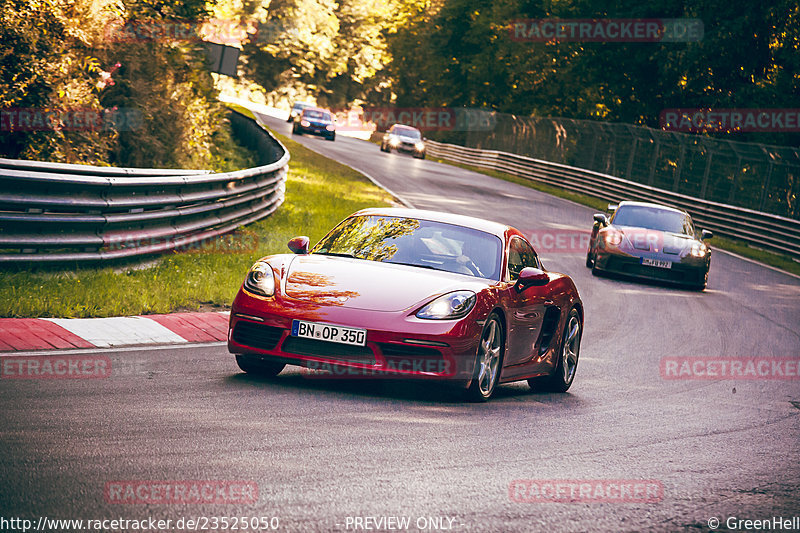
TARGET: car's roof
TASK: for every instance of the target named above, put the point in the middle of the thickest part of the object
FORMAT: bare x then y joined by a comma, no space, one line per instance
314,108
487,226
651,205
306,104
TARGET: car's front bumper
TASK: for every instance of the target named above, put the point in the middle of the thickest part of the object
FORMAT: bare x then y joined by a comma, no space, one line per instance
397,345
409,148
685,271
316,129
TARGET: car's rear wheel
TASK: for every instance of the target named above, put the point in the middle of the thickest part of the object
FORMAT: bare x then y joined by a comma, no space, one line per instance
257,366
564,373
489,361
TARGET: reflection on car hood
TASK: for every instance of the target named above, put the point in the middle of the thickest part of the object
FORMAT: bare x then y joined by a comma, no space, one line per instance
369,285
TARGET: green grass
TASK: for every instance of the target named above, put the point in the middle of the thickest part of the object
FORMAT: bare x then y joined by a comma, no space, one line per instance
319,194
780,261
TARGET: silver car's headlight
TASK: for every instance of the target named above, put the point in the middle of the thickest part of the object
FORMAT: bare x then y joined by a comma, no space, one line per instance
449,306
420,146
260,279
394,141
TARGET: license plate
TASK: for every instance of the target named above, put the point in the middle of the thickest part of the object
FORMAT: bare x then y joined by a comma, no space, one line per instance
656,263
329,332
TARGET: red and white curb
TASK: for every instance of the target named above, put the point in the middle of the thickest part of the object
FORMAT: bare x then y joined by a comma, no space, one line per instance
24,334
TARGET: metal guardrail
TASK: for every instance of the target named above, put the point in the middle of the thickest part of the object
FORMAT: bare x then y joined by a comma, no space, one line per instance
762,230
53,212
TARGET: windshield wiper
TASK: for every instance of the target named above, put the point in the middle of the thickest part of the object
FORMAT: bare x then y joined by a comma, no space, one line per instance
415,265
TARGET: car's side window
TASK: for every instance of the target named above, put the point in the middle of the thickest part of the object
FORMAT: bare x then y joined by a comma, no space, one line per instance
520,255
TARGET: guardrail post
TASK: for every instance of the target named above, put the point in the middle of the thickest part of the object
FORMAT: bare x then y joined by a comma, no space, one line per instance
629,173
656,153
765,188
706,174
679,169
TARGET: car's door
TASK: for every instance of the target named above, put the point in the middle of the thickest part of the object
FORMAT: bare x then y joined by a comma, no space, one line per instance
525,310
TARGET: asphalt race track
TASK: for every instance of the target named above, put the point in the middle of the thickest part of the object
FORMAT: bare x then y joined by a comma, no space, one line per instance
332,455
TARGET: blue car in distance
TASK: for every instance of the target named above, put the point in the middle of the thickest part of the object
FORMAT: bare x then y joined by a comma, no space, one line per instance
315,121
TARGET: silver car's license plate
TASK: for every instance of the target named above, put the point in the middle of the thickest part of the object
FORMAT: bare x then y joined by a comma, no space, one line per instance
329,332
646,261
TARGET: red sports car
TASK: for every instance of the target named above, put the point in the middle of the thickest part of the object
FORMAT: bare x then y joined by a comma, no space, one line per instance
410,293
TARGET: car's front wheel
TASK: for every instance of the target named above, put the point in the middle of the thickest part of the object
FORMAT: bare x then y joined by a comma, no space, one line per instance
564,372
489,361
257,366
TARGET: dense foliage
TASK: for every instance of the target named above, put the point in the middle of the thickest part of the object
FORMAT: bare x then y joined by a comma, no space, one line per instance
63,55
57,54
463,55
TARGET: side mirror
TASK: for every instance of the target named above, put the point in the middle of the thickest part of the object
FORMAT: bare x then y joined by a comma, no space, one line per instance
612,207
299,245
531,277
706,234
600,218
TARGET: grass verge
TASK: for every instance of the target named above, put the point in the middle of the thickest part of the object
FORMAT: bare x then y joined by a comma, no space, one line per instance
319,193
783,262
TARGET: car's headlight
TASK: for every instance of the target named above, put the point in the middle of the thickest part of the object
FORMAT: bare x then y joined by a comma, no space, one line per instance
453,305
394,141
260,279
330,127
305,123
420,146
614,238
699,249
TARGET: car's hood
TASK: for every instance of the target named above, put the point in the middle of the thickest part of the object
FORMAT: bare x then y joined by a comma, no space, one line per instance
410,140
369,285
655,240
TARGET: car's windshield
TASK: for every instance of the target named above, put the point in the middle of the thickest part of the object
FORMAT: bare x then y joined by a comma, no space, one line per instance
406,132
653,218
317,115
415,242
